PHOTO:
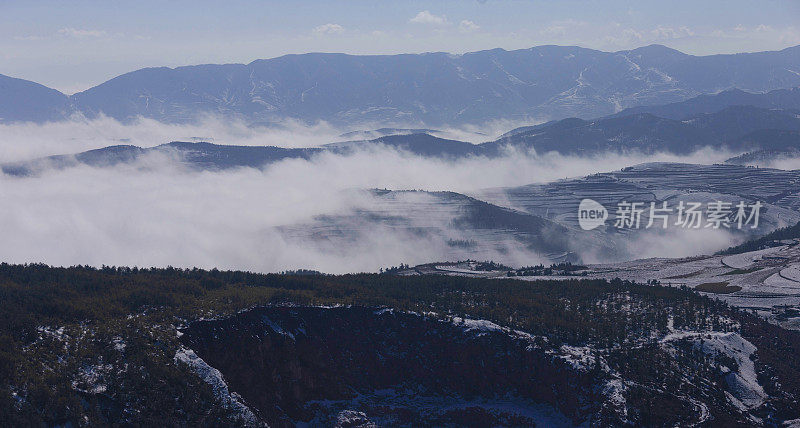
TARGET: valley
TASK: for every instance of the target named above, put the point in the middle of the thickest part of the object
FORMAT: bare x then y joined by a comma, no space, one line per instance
399,214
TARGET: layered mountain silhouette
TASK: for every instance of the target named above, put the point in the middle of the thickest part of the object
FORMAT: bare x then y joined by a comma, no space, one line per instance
738,128
788,99
200,156
765,132
432,89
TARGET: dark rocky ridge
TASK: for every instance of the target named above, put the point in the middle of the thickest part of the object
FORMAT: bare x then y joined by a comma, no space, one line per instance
358,366
286,362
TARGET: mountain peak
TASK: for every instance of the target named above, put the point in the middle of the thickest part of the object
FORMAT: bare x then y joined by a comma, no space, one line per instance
656,49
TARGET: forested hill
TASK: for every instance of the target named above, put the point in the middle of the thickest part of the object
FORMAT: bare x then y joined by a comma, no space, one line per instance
112,333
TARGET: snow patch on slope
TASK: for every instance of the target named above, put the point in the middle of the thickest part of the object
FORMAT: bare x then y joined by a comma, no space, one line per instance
277,328
477,325
746,393
579,357
213,377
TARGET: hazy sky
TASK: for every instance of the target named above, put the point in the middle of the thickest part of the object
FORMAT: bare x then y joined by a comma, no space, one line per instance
73,45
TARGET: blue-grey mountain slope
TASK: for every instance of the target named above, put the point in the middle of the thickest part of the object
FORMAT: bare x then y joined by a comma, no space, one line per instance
785,99
25,101
779,99
436,88
200,156
738,128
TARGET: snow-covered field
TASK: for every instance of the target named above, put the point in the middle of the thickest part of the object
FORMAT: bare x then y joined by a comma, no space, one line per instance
747,260
767,281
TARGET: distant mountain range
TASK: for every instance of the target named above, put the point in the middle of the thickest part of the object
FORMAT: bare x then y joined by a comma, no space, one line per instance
770,129
432,89
739,128
761,131
785,99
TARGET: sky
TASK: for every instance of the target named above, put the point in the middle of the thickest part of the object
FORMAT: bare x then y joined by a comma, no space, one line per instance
74,45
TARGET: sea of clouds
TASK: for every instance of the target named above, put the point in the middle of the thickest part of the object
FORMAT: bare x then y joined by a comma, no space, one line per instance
158,213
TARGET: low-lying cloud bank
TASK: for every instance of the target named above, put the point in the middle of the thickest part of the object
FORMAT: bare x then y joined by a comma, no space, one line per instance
157,213
23,141
787,163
